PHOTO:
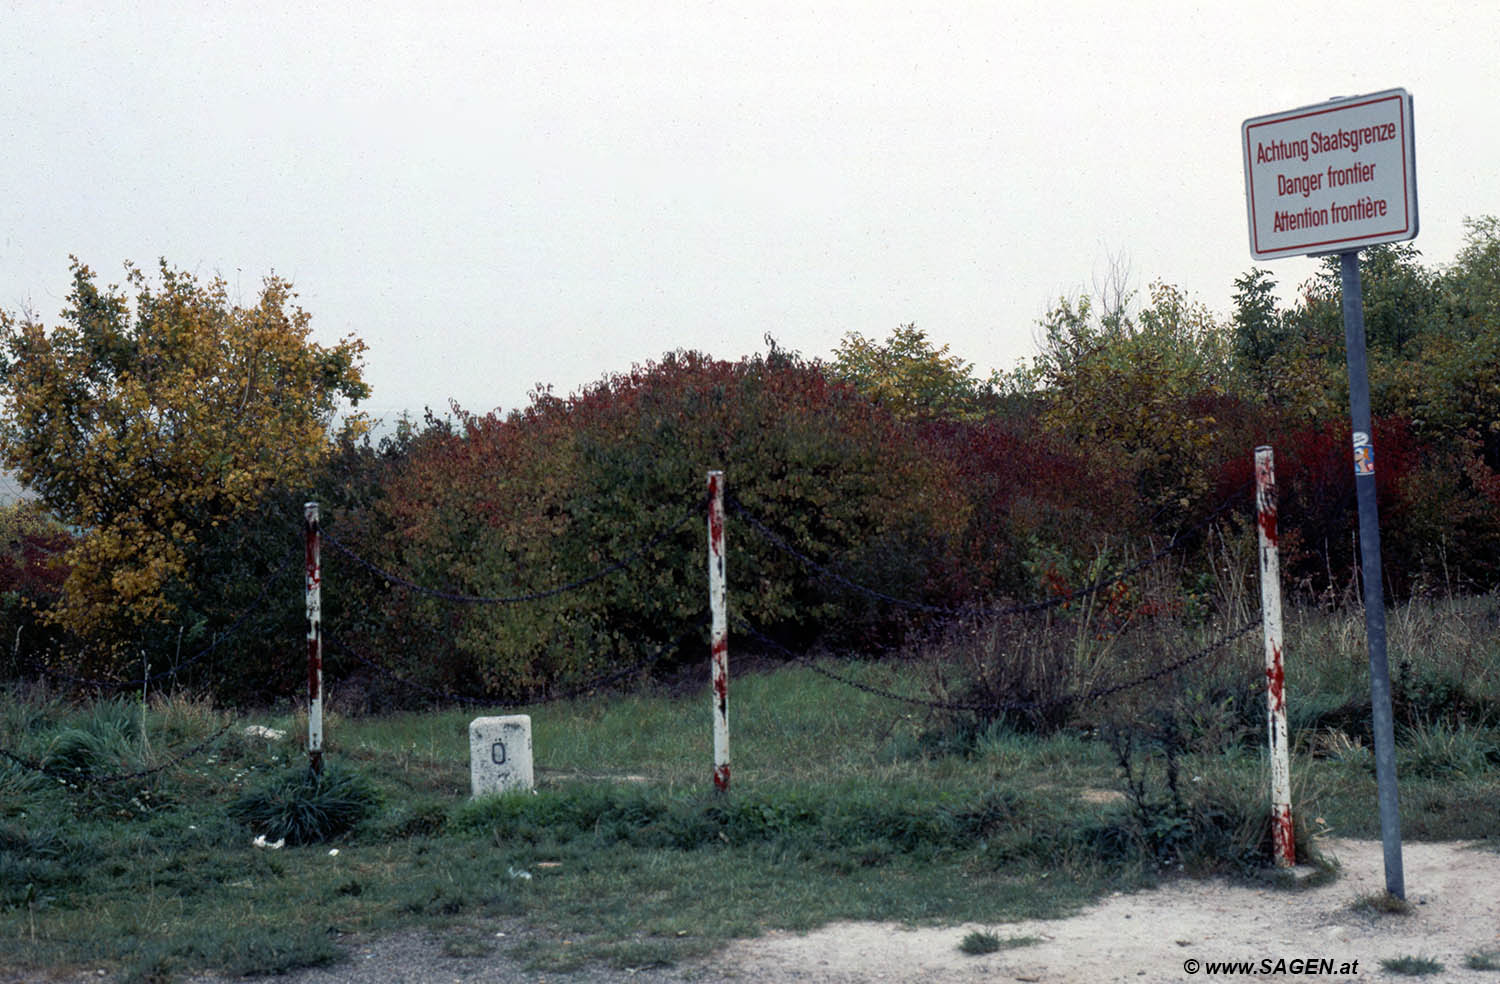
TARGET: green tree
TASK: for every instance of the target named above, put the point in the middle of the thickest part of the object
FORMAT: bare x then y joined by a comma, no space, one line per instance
1402,313
1259,331
1291,361
1465,360
1433,337
1472,285
1143,389
908,376
1400,296
146,422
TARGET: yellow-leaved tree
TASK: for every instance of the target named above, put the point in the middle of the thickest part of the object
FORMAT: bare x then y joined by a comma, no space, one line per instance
908,376
144,421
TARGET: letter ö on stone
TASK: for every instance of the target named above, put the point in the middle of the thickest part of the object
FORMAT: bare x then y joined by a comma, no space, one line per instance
500,755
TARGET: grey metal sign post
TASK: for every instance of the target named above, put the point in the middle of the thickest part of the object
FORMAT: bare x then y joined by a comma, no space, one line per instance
1334,178
1369,556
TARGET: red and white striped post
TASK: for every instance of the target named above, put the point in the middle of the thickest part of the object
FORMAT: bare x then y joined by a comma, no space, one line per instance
1283,846
719,646
314,636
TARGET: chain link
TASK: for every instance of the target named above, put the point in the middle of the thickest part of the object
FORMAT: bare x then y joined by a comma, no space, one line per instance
109,779
602,681
1027,608
219,638
1003,707
467,599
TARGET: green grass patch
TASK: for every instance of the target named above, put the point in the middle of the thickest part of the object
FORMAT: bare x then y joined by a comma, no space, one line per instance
629,858
1483,960
981,942
845,805
301,806
1412,966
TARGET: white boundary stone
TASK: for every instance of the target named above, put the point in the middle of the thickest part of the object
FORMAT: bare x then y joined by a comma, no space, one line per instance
500,755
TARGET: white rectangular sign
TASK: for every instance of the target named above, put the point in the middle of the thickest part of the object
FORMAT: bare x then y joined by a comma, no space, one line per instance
1331,178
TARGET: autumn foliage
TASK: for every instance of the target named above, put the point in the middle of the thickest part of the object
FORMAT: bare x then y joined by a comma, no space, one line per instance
524,553
521,504
146,421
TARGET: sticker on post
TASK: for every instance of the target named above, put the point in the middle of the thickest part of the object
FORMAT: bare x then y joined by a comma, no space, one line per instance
1364,454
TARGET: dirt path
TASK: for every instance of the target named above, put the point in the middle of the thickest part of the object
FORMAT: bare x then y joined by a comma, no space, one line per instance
1149,937
1143,938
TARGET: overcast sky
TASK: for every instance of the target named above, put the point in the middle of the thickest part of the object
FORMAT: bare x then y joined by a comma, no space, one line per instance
494,195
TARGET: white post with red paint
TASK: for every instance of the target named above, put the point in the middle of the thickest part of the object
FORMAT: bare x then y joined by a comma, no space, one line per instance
719,646
1283,846
313,535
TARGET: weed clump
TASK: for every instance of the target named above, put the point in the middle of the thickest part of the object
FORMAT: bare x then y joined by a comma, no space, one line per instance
1444,751
980,942
977,943
1382,903
102,739
1483,960
306,807
1202,823
1412,966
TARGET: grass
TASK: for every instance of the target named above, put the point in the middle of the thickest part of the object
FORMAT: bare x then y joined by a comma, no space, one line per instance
301,807
981,942
1382,904
1483,960
845,805
1412,966
822,824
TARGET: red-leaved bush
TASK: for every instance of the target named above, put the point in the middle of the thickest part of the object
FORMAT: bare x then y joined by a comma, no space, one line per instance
1318,521
550,495
588,511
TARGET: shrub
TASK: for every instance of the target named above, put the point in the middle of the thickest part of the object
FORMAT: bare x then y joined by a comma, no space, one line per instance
32,571
1035,503
1317,519
1213,821
1439,695
1454,520
554,493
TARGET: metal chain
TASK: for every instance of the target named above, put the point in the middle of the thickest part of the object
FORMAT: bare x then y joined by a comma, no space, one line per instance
1027,608
807,661
23,762
1004,706
1173,667
108,779
219,638
466,599
577,691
